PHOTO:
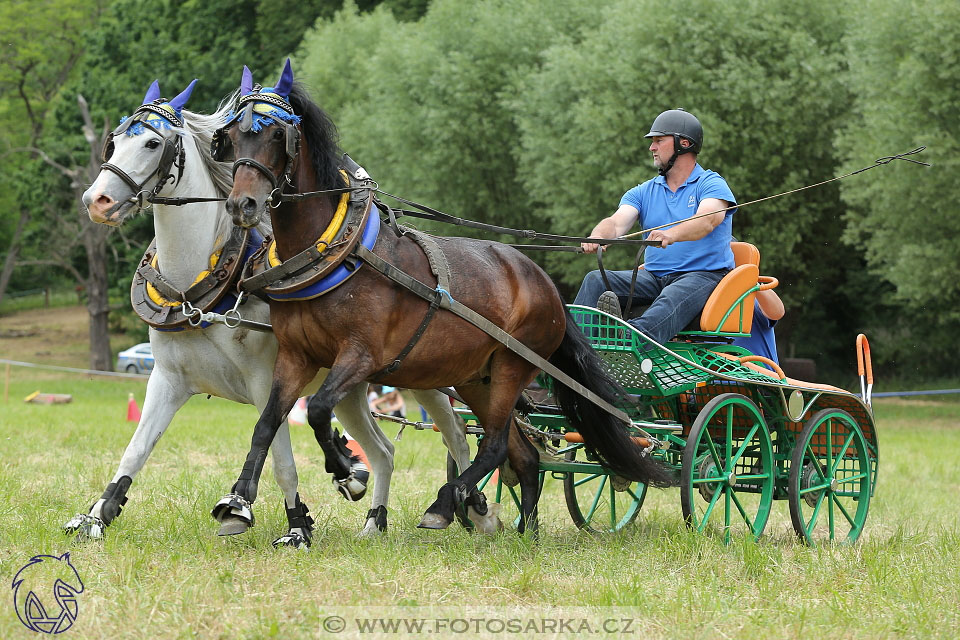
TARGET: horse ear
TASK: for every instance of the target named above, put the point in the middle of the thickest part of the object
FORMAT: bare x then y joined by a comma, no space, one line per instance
178,102
285,83
152,93
246,81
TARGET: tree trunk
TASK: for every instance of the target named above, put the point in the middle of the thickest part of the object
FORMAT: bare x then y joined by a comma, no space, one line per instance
11,260
98,303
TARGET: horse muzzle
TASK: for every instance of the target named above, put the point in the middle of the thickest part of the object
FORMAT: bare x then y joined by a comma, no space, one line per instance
105,210
246,211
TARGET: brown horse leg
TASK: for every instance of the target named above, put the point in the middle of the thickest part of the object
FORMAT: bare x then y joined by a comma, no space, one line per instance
525,461
493,405
235,511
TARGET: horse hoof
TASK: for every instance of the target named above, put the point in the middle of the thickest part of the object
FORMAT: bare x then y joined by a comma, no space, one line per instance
231,526
354,486
489,523
433,521
370,530
294,539
85,527
234,513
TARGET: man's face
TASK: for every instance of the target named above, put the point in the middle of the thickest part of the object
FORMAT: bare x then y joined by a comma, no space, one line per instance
662,149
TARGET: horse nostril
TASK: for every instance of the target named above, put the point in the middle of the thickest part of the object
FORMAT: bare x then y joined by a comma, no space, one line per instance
249,205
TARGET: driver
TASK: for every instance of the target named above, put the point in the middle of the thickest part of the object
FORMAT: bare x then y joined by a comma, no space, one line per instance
680,273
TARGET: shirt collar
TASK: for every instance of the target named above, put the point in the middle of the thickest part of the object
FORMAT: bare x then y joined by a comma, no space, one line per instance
693,177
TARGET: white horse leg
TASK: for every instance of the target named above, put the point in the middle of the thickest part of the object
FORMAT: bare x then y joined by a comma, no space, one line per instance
452,430
354,413
163,399
300,532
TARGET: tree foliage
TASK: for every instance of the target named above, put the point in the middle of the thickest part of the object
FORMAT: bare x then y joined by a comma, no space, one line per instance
532,115
905,76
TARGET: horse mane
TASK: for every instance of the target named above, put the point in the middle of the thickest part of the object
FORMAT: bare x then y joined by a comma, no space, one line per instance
321,136
200,129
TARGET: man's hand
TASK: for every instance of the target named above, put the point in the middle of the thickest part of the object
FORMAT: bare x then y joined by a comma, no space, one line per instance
665,236
589,247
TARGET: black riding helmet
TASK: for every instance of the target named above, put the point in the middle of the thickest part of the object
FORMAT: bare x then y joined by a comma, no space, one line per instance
679,124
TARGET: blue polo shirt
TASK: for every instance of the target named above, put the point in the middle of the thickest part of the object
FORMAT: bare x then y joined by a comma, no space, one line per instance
762,341
658,205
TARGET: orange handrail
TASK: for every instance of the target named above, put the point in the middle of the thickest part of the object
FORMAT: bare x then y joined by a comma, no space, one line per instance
864,361
765,360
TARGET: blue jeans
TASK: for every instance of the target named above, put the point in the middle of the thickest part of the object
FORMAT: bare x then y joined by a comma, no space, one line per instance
674,299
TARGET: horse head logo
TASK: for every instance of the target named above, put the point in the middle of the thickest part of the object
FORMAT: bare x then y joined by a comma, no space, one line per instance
37,579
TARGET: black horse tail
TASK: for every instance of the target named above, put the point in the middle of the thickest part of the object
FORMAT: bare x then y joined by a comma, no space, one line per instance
602,432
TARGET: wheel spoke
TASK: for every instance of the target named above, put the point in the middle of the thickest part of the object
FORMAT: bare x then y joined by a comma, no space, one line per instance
728,445
819,487
709,510
485,480
596,500
813,518
705,480
830,517
743,447
713,450
726,513
853,478
844,511
746,518
829,443
754,476
613,508
577,483
815,461
632,494
843,451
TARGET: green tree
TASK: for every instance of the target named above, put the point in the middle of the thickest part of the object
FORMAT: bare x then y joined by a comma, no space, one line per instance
905,78
764,79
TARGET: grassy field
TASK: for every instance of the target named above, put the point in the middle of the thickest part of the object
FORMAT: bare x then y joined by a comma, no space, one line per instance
162,572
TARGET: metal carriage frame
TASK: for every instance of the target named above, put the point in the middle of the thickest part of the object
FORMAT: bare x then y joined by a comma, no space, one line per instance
739,435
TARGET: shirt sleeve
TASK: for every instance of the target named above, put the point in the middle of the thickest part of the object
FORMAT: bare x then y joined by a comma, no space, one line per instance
633,197
714,186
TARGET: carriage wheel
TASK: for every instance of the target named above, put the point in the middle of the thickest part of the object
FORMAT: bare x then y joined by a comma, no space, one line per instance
727,474
830,485
601,503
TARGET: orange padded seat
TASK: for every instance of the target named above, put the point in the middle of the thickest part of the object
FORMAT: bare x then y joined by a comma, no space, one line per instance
742,278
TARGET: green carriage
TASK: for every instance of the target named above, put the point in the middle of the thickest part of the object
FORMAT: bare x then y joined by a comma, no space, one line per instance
739,434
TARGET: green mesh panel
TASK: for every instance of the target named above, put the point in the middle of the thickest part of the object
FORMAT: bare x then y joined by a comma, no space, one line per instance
629,354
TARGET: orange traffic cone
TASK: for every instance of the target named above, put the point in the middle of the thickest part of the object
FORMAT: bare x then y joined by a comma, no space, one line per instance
133,411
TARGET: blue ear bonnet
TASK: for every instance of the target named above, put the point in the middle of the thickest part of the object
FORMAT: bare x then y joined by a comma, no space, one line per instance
159,112
269,104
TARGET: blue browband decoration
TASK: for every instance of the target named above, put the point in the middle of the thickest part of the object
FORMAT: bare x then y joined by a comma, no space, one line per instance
254,240
339,275
137,127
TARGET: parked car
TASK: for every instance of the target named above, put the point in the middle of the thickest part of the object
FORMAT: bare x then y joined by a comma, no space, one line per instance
136,359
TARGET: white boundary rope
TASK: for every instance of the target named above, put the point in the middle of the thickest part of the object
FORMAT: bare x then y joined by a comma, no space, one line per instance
90,372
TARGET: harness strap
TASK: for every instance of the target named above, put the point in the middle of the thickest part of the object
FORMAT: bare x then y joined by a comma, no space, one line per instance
303,260
162,285
447,302
440,269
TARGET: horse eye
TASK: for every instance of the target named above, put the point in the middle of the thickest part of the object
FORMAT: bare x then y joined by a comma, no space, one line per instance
153,143
278,134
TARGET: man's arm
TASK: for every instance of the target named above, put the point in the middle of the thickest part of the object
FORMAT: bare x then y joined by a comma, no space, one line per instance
770,304
613,226
692,229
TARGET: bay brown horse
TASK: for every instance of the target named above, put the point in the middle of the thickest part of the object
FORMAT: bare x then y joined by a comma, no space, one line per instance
358,328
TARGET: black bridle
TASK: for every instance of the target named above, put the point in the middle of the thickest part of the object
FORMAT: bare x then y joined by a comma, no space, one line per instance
220,146
172,154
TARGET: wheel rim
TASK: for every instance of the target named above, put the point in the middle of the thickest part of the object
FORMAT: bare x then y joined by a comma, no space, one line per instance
595,503
830,484
727,475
